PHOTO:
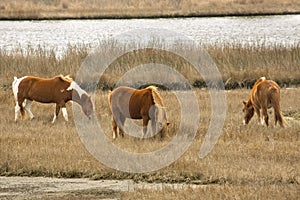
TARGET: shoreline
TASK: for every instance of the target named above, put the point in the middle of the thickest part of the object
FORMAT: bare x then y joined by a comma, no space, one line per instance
153,16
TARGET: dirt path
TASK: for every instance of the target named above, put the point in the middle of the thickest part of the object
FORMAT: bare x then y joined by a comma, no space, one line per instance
56,188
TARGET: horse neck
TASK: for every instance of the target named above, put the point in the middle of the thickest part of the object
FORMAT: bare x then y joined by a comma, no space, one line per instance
157,98
76,97
250,100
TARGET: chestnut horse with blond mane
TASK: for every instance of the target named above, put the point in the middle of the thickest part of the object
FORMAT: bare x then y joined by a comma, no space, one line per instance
265,94
146,104
59,90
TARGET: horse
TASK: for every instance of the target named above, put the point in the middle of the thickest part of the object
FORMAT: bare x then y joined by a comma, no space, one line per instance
145,104
59,90
265,94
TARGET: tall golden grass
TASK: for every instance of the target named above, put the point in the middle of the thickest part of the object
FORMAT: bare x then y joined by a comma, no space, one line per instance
13,9
239,65
252,157
226,191
245,158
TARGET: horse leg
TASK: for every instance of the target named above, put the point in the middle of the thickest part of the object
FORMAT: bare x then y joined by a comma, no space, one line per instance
57,109
17,111
262,117
27,108
122,121
275,117
153,117
265,114
65,113
259,117
115,128
145,124
278,117
19,108
153,126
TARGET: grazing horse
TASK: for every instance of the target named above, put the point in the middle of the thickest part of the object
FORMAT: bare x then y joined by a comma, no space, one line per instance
59,90
146,104
265,94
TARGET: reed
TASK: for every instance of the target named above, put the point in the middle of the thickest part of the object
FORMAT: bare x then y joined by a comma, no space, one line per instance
239,65
217,192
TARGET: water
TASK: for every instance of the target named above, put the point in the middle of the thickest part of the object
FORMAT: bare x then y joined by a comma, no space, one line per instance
57,35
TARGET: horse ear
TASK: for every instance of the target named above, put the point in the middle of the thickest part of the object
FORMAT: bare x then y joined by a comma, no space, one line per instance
244,102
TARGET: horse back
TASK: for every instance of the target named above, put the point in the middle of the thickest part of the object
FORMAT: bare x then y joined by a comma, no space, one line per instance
140,103
44,90
130,102
265,93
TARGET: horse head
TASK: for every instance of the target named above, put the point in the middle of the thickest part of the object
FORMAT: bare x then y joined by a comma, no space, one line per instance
80,96
160,117
248,111
87,105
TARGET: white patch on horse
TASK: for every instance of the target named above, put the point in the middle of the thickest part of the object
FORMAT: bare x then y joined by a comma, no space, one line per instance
17,112
15,86
261,120
54,118
27,108
65,114
76,87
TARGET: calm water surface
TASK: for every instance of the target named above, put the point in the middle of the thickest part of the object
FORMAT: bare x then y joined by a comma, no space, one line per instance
270,30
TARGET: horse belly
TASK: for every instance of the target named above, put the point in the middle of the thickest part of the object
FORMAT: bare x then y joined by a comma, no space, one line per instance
135,111
129,113
135,116
42,97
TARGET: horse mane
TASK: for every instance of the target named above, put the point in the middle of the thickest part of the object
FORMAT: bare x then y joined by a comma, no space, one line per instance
65,78
155,95
109,97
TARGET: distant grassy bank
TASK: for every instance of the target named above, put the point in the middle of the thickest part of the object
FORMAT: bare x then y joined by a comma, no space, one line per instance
63,9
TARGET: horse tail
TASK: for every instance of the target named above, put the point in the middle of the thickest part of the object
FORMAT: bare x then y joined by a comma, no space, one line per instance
261,79
14,87
109,98
280,118
275,95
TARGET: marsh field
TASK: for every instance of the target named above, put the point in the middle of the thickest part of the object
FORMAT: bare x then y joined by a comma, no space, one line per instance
247,162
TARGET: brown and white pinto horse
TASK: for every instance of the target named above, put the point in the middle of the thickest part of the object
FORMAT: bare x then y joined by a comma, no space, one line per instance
59,90
146,104
265,94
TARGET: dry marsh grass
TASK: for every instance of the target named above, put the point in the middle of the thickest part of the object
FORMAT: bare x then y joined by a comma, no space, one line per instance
252,158
239,65
24,9
245,160
218,192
